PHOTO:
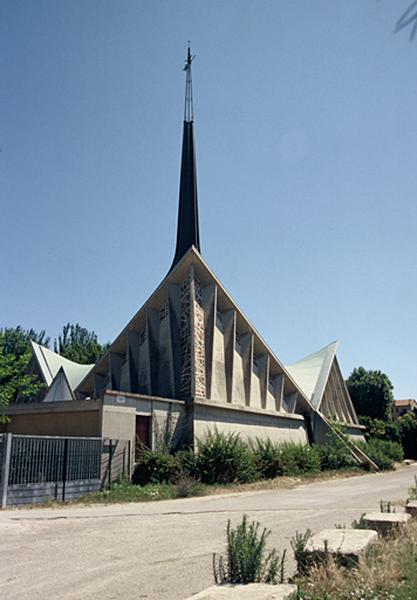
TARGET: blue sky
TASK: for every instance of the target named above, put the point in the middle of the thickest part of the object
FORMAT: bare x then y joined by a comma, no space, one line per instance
306,155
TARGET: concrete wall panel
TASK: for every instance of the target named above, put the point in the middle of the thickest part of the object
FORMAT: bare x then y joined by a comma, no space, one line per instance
250,425
77,423
118,422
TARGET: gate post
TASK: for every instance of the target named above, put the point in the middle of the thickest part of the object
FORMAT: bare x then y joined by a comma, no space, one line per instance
110,459
64,468
5,468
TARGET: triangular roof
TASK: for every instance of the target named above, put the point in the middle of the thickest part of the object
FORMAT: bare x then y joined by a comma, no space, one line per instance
312,372
206,276
321,379
60,389
50,363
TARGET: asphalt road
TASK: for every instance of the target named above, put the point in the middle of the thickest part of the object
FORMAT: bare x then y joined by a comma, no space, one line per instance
163,550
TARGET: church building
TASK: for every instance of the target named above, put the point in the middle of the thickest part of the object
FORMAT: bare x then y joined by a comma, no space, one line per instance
188,362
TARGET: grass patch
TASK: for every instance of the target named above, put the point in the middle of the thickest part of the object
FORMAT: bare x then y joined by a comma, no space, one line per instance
124,491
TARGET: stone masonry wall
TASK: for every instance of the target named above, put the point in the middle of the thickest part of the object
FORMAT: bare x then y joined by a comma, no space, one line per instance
192,340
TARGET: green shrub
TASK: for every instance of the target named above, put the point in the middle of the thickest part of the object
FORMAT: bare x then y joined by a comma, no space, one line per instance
246,560
377,452
224,458
298,544
156,467
383,452
268,458
393,450
188,463
332,458
335,454
299,460
381,460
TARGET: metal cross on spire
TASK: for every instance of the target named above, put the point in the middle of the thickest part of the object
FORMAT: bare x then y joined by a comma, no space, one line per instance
188,106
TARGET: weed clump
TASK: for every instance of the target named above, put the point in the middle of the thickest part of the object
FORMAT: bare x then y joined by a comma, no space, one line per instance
298,545
246,560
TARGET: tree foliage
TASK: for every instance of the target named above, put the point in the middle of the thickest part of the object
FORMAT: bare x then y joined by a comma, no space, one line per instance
75,343
371,393
408,430
78,344
15,354
382,430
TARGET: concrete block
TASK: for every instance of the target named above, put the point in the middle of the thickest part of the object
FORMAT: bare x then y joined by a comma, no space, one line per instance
251,591
386,523
345,545
411,508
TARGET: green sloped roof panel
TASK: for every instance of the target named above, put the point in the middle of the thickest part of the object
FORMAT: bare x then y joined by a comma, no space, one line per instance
51,362
311,373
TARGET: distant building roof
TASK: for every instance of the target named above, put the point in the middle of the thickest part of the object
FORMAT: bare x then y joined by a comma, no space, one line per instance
50,363
406,402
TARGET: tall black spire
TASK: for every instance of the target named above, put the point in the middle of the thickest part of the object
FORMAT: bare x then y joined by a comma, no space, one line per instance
188,229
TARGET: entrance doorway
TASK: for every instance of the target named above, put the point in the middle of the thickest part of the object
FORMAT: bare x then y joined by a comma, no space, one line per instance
143,433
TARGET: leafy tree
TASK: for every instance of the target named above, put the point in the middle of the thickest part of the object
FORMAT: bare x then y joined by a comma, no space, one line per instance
383,430
80,345
371,393
15,354
408,429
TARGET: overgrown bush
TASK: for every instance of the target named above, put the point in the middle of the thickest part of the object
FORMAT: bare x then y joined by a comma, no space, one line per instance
246,560
224,458
380,452
274,460
299,460
188,463
393,450
335,454
156,467
404,431
268,458
221,458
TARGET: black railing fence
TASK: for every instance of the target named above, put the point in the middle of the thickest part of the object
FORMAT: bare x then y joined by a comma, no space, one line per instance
40,459
36,469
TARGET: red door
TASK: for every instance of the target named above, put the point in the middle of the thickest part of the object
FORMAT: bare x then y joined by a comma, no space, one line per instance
143,433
